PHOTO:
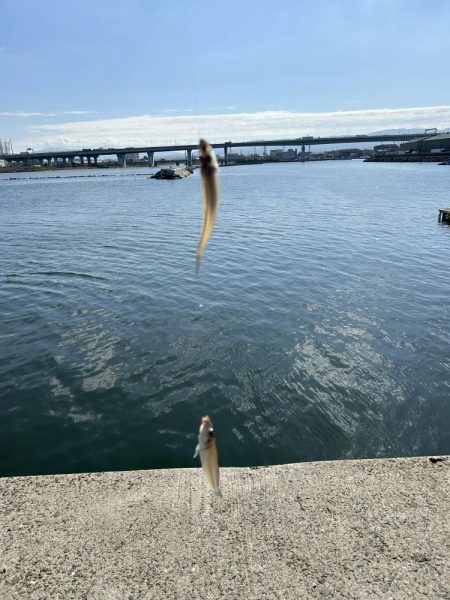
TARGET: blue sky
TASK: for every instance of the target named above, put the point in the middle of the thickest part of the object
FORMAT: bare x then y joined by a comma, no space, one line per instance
101,72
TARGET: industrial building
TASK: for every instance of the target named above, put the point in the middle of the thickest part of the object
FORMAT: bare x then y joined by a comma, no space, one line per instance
429,144
290,154
386,148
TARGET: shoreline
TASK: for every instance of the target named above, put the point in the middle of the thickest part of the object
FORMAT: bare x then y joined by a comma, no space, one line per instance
356,528
38,170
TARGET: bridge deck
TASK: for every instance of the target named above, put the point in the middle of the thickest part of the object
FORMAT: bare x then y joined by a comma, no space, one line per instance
303,141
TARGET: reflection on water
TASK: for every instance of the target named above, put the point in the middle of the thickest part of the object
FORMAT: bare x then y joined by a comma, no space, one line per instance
316,328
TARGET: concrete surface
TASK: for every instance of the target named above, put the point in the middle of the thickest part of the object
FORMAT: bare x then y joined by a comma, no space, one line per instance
345,529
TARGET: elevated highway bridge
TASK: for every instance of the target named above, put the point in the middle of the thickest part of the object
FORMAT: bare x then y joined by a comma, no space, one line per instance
91,155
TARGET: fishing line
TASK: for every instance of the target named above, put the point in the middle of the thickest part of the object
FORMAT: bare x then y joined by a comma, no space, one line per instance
197,265
197,115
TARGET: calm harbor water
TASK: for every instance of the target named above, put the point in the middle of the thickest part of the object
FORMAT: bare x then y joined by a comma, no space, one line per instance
317,328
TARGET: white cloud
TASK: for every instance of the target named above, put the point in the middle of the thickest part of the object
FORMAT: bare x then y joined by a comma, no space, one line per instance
154,130
80,112
22,113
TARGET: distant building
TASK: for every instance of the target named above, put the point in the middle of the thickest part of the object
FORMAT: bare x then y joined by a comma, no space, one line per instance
386,148
290,154
133,156
432,143
6,147
2,151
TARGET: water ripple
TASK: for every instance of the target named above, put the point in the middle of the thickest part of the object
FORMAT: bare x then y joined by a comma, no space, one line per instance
316,328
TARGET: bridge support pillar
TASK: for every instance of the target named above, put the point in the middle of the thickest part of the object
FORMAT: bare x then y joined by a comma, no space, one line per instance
122,159
151,158
189,158
55,161
225,155
303,154
95,160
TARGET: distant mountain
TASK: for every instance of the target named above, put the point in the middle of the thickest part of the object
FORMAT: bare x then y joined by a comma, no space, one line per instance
407,131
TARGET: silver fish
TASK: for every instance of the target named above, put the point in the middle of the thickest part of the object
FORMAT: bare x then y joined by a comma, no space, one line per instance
207,448
210,185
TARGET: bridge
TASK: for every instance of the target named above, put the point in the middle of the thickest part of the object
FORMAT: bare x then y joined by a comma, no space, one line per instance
90,155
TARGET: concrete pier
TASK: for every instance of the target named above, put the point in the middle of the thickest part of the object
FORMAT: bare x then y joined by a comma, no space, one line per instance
444,215
122,160
344,529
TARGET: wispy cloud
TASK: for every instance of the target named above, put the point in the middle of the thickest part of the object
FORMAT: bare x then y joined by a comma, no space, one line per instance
22,113
80,112
153,130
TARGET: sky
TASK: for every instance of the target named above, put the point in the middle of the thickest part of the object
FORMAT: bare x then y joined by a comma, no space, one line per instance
108,73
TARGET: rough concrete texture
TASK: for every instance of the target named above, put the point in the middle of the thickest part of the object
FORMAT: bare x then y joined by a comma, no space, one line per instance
350,529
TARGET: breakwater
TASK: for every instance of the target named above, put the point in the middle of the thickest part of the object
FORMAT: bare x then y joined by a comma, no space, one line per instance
408,158
65,176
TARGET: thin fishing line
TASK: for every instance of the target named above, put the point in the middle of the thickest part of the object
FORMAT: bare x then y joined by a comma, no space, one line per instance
197,265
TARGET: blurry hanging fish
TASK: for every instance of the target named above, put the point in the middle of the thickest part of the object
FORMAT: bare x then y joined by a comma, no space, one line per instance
207,449
210,184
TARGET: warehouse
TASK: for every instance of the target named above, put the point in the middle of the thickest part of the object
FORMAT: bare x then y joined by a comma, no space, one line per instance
434,143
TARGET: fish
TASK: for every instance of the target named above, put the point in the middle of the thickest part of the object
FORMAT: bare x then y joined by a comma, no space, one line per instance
210,185
207,448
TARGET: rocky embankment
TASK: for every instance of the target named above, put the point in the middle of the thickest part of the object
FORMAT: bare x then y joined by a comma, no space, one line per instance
172,173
